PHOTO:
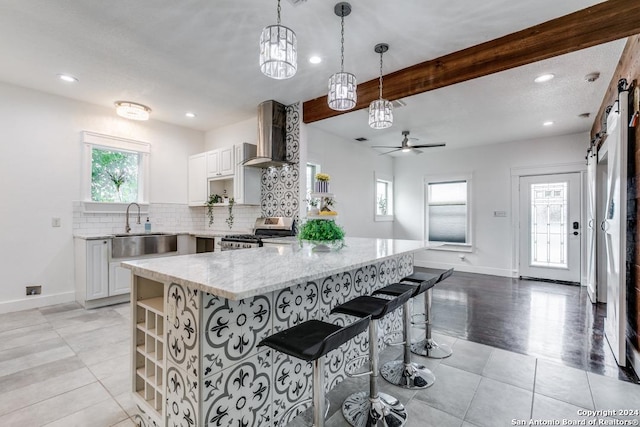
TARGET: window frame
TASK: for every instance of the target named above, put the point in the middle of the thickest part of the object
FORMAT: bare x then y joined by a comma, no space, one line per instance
442,179
388,179
91,140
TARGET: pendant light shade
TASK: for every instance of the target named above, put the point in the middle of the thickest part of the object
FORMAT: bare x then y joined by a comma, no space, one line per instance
278,51
342,94
380,114
380,110
342,91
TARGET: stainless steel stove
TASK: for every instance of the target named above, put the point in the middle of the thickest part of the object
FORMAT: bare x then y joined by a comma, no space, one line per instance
265,228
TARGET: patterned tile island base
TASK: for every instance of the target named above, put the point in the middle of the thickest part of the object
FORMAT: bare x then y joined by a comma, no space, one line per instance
215,373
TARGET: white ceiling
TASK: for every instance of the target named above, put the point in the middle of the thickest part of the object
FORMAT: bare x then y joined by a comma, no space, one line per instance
202,55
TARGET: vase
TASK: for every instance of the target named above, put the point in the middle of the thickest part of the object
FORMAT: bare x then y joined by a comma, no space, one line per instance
320,247
322,186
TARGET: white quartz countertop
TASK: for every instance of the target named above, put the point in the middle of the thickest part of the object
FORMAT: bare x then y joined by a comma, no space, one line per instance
245,273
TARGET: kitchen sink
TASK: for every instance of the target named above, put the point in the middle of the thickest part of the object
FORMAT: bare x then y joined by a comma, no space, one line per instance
135,245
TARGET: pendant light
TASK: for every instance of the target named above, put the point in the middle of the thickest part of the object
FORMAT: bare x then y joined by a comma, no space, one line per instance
380,110
278,51
342,86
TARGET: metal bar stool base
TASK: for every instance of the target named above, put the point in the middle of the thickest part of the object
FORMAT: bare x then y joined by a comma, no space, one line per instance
384,411
407,375
431,349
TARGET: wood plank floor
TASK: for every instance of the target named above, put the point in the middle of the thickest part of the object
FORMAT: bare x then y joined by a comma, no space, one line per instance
546,320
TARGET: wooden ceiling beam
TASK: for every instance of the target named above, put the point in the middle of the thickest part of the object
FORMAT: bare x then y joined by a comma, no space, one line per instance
601,23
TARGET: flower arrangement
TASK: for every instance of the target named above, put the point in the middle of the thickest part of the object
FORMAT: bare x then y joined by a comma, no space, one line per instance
322,182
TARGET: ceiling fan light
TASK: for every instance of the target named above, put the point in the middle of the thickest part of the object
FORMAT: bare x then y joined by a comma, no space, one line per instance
278,52
406,150
380,114
342,91
132,110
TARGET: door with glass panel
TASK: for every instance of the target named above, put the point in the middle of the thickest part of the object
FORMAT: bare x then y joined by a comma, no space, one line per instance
550,228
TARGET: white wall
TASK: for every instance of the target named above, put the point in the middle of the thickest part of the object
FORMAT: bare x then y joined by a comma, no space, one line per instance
40,155
236,133
490,167
351,167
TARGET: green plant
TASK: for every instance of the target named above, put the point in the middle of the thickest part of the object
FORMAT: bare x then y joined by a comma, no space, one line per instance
382,205
313,202
321,230
213,199
229,220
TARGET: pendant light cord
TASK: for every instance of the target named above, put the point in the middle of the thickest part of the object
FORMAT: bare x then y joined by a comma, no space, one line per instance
278,12
341,41
380,80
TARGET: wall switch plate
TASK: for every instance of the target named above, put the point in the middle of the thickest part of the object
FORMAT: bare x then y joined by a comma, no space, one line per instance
500,214
55,222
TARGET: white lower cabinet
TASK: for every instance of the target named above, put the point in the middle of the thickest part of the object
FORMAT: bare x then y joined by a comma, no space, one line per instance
120,279
97,267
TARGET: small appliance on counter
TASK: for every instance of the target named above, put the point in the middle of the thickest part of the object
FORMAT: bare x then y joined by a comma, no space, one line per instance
265,228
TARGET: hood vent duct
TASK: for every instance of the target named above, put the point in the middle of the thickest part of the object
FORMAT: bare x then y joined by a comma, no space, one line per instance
272,142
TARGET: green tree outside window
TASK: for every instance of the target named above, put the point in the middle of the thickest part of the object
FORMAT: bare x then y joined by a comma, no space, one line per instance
114,176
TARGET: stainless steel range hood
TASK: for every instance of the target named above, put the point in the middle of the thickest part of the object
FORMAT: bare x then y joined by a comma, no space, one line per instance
272,143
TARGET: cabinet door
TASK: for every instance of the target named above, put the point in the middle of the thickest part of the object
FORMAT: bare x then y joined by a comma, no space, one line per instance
120,279
197,180
97,269
227,165
213,163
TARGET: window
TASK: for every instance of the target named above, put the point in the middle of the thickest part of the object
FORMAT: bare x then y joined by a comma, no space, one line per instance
115,169
448,211
114,175
312,170
383,198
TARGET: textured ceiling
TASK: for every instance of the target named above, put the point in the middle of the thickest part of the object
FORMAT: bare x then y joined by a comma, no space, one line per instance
201,56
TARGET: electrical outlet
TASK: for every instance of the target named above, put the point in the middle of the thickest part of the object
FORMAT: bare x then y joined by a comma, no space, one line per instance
55,222
34,290
500,214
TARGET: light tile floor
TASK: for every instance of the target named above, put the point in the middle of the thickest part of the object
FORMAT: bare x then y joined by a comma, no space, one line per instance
66,366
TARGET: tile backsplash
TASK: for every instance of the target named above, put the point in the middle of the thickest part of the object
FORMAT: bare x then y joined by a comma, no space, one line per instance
165,217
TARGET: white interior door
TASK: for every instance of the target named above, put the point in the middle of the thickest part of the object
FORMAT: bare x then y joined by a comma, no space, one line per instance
591,257
601,201
550,227
614,226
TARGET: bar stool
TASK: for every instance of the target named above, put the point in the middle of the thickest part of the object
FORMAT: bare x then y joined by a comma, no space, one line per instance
310,341
372,409
428,347
405,373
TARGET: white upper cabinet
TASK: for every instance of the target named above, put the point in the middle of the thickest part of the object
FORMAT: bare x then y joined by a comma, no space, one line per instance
220,163
198,179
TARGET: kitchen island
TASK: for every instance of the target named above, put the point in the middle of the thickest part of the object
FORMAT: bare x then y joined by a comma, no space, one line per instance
197,320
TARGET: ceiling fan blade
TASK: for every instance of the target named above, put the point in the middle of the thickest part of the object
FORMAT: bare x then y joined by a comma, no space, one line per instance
416,151
392,151
385,146
428,145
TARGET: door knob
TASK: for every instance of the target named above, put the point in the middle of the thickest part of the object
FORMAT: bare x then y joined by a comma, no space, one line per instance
575,233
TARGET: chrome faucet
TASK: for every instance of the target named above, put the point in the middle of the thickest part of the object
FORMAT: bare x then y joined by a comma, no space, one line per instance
127,228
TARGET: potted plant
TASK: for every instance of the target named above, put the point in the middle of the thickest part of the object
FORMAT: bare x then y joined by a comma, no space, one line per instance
323,234
322,182
213,200
230,218
313,206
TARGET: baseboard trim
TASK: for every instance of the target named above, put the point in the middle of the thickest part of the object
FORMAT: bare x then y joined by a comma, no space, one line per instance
36,301
466,268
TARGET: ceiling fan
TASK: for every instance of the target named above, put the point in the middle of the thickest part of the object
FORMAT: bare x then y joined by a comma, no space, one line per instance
408,147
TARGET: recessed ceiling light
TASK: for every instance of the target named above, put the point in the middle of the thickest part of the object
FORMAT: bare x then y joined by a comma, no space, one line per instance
67,78
315,59
549,123
191,115
544,78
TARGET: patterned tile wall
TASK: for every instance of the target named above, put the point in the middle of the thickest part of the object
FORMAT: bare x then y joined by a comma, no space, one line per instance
280,187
